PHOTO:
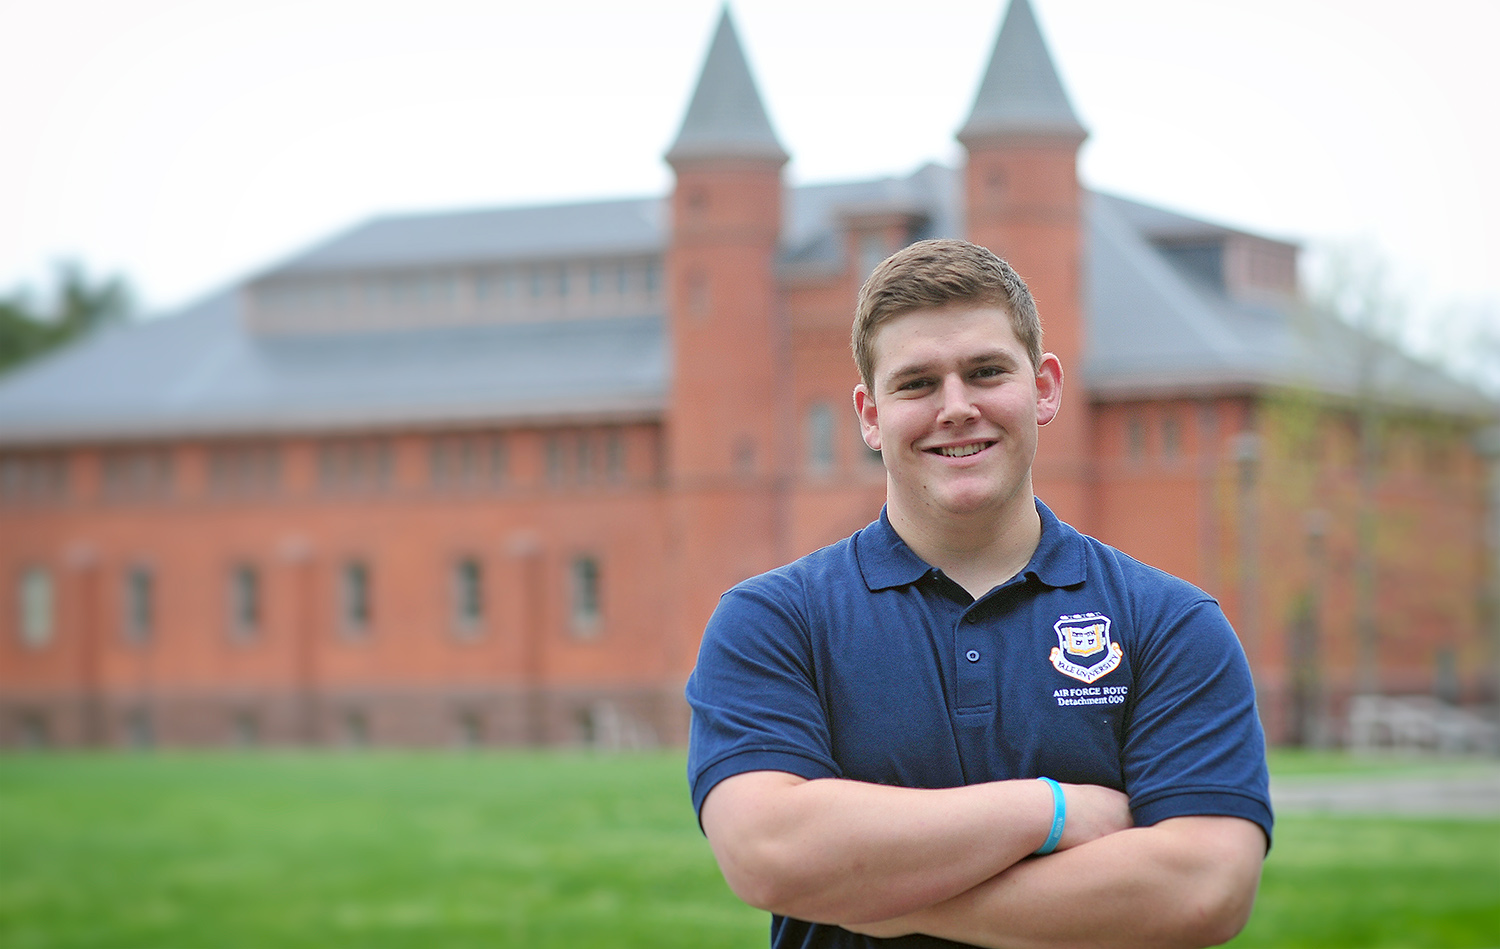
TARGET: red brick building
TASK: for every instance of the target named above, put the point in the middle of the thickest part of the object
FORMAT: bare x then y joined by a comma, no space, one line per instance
480,477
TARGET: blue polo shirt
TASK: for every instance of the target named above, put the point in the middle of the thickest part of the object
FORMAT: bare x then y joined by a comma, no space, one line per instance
862,661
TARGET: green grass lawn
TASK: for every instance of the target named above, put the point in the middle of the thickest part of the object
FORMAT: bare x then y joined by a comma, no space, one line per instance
357,850
537,850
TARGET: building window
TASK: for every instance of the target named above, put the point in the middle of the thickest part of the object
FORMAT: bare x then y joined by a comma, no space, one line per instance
467,461
587,456
34,597
501,284
140,606
653,278
355,596
354,465
244,600
556,459
1171,437
538,283
819,438
137,474
586,602
1135,438
468,594
614,455
33,477
243,470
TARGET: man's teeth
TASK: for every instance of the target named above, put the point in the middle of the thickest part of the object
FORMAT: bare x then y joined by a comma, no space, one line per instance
961,451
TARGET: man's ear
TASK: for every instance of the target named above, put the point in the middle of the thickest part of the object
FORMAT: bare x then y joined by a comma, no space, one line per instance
1049,385
869,416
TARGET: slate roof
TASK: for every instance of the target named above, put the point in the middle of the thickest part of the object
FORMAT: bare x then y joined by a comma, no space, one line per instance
200,372
1021,92
1152,329
726,118
619,227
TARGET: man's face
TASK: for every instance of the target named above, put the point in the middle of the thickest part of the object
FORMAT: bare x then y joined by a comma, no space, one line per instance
954,410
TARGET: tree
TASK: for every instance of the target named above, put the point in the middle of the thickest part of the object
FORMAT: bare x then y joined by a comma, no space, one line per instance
77,305
1358,289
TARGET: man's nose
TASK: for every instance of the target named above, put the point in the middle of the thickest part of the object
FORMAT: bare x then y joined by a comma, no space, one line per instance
956,406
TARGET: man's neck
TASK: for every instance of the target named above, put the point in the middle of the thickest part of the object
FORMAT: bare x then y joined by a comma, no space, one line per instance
979,551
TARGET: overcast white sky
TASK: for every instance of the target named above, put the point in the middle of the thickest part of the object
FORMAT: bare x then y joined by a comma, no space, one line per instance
186,143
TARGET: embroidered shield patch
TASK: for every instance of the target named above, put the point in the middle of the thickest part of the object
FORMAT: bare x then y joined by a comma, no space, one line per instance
1081,637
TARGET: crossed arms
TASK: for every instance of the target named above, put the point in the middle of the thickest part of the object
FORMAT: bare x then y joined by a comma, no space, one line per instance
888,861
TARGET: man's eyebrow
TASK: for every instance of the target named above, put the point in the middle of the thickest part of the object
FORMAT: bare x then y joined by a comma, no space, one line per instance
993,355
986,357
906,372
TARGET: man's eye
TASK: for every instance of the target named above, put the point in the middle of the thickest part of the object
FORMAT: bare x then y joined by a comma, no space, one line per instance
914,385
988,372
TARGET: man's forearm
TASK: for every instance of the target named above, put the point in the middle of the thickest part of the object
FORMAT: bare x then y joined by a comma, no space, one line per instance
1187,882
843,851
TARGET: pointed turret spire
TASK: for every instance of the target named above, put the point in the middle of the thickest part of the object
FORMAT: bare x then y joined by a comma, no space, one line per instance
726,118
1021,93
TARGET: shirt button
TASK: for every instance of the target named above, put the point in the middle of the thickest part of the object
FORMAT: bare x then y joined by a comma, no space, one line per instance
972,655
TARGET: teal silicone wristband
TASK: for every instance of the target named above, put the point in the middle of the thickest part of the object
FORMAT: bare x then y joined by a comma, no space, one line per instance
1059,817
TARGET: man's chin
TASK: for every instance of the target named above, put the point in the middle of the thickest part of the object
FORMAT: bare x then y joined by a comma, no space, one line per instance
977,500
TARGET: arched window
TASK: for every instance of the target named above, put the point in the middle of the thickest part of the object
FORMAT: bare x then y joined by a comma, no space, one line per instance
36,604
356,597
140,604
586,607
468,595
244,601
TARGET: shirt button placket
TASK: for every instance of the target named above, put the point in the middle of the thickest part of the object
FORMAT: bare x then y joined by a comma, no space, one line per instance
975,690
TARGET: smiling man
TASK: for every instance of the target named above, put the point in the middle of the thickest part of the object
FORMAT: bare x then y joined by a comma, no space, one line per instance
969,723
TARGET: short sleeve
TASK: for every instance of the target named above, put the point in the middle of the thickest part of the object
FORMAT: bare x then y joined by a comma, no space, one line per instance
1194,744
754,693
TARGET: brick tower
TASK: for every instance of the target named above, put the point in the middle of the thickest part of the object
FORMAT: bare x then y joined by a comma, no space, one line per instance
726,430
1023,201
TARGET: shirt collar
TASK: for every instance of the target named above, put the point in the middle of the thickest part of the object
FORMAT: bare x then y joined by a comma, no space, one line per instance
885,561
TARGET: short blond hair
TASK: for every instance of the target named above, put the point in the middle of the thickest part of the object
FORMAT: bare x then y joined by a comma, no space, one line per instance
934,273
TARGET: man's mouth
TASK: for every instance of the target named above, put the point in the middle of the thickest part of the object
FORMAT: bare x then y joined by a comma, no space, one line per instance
961,451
